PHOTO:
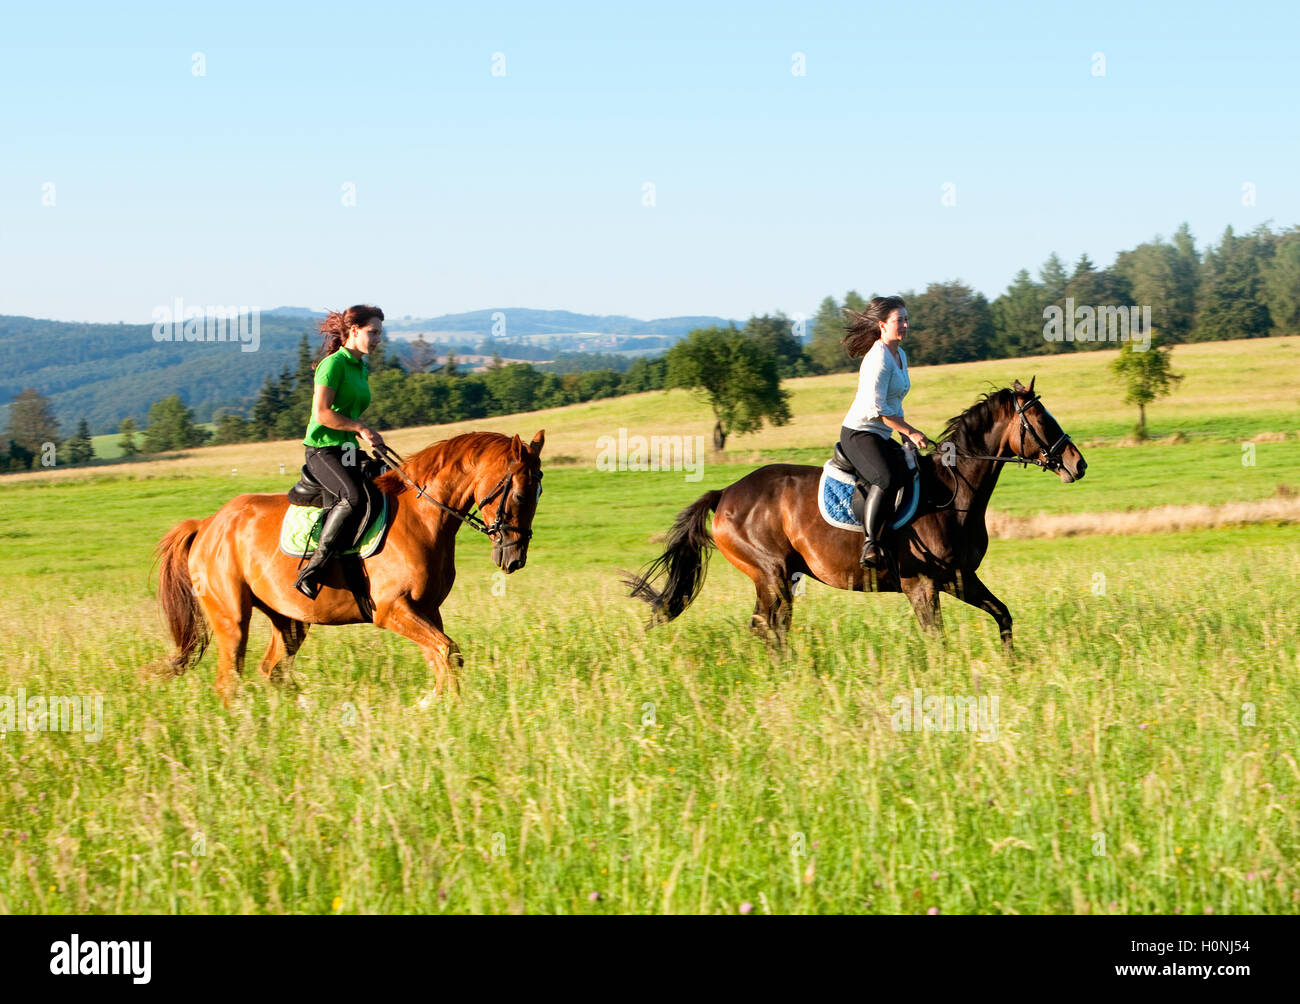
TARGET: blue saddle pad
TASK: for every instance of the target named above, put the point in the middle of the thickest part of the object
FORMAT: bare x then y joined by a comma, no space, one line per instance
835,499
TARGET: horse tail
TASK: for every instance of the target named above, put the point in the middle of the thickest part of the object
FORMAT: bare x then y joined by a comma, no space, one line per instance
177,600
685,559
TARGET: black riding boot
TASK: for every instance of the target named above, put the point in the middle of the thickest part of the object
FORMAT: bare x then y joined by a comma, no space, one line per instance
309,578
874,515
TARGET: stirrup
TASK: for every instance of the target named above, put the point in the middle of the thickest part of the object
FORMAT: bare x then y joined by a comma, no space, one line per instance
307,582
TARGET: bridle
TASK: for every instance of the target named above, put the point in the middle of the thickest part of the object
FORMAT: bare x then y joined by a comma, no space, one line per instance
1049,457
470,518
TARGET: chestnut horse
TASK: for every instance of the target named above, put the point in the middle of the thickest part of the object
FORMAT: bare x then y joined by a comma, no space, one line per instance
220,568
768,524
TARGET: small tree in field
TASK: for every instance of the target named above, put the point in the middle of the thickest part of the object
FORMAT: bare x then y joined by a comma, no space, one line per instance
738,375
171,427
127,443
1146,376
80,448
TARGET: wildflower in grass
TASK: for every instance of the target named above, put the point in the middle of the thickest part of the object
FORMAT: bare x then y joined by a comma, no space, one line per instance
747,907
594,897
933,911
337,904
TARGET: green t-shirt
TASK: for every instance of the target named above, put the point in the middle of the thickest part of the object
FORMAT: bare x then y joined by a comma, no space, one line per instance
349,378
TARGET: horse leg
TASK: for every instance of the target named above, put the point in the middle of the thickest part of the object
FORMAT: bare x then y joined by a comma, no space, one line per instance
286,639
773,610
775,594
228,607
425,629
969,589
921,591
775,597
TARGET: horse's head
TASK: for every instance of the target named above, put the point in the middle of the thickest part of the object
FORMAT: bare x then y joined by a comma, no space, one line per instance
508,500
1034,435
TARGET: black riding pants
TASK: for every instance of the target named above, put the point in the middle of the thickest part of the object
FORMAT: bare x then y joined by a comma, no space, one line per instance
342,480
878,461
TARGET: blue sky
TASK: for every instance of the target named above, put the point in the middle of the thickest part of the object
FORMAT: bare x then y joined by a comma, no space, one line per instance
772,189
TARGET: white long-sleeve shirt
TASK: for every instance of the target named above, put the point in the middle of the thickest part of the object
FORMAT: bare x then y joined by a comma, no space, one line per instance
882,384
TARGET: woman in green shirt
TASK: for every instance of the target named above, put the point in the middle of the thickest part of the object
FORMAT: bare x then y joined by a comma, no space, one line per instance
342,393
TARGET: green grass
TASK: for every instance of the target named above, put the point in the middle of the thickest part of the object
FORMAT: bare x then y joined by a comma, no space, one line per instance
108,446
687,769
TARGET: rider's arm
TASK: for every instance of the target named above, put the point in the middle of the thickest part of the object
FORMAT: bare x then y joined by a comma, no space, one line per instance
906,430
322,398
899,424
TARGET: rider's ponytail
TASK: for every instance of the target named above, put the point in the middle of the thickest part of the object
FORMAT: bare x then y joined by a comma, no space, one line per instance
335,326
864,328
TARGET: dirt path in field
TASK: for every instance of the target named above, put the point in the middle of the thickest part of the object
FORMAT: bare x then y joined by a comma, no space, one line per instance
1281,508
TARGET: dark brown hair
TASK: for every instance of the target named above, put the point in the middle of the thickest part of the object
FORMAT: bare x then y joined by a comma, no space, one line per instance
864,328
335,326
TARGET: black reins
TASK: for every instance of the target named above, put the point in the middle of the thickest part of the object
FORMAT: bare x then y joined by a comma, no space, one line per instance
390,456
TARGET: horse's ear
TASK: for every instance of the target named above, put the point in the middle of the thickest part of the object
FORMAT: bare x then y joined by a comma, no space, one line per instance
516,446
1017,385
1031,383
538,440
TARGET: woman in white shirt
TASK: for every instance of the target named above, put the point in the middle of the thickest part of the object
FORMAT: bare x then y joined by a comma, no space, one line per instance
877,412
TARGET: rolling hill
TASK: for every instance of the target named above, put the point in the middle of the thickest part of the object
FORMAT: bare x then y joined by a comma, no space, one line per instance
105,372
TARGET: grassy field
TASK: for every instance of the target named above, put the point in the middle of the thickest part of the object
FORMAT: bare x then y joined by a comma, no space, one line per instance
1143,756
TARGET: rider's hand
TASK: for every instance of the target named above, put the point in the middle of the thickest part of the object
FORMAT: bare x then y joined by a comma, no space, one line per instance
372,438
919,439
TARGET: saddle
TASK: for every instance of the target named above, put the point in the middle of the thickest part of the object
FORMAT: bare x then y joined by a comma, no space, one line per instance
905,501
310,492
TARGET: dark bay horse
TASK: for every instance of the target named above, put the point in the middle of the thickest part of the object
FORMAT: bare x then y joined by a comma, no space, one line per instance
768,525
216,571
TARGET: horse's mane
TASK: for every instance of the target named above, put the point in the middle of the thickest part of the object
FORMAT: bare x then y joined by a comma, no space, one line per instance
969,429
445,456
